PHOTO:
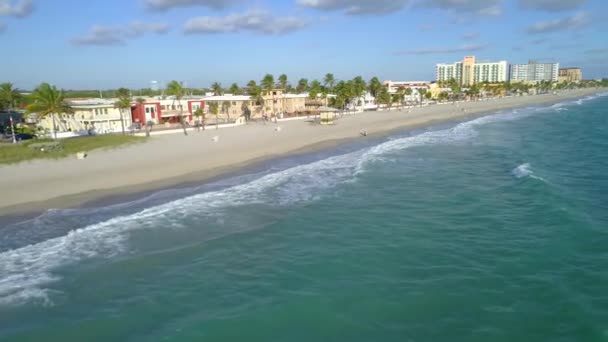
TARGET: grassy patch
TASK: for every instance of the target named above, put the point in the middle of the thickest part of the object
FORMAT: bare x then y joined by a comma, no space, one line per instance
15,153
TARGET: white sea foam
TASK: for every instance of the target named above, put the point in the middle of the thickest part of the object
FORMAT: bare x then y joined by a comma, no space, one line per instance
26,272
525,170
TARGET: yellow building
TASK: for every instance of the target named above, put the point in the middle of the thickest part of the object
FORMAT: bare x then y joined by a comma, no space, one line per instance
468,71
98,115
570,75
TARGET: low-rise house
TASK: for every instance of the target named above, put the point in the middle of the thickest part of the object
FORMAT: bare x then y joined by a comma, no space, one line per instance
98,115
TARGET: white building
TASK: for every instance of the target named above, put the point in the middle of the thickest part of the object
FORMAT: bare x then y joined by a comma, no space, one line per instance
395,86
481,71
534,72
491,72
446,72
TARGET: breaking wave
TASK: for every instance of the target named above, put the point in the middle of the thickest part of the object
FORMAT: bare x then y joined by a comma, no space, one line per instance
525,170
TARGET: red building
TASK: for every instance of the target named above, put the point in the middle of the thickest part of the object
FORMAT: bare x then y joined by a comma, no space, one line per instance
168,110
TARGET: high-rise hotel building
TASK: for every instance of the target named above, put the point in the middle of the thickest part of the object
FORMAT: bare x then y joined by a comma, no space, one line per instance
534,72
468,71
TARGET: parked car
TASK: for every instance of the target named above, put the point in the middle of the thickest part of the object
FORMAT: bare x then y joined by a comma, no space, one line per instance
19,137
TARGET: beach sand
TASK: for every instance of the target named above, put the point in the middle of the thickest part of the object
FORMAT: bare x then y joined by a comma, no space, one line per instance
168,160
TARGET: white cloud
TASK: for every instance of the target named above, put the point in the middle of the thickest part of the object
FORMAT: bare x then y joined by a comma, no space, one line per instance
163,5
574,22
138,28
255,21
480,7
108,35
356,7
552,5
434,51
19,8
470,36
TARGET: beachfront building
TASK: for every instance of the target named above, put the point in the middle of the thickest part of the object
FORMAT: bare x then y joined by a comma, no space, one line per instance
365,102
468,71
395,87
230,107
534,72
160,109
89,115
570,75
491,72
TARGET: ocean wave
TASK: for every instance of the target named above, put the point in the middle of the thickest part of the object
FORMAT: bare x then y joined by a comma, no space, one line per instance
26,271
525,170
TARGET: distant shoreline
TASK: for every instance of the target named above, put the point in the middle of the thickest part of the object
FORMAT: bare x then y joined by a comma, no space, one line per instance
175,160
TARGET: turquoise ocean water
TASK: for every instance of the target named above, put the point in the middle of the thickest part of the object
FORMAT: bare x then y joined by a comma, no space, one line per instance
493,229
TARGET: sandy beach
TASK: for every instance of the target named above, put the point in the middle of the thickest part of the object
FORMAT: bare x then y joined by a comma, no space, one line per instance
166,160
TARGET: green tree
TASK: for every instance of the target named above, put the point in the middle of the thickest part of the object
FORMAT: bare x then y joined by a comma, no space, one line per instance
200,116
315,89
283,82
176,90
329,81
428,95
246,111
234,89
123,104
383,96
10,97
252,89
268,85
421,92
302,86
49,101
358,86
226,109
217,89
214,109
375,86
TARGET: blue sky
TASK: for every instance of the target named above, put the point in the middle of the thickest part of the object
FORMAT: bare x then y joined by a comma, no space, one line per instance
98,44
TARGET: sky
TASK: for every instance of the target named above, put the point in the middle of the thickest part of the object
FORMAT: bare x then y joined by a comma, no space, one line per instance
102,44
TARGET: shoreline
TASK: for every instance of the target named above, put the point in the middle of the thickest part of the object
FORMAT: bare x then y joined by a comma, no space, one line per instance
114,176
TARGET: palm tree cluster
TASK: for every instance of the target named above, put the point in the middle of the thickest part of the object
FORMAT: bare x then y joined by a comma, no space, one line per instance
10,97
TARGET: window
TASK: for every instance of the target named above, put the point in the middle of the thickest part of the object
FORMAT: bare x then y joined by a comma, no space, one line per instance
105,111
172,107
152,110
234,103
163,107
147,109
96,112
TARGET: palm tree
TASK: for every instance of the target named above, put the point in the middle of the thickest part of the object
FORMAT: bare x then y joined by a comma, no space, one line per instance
359,86
226,109
267,83
329,81
176,89
199,113
234,89
267,86
214,109
123,103
302,85
283,81
407,91
315,89
421,92
9,96
375,86
252,87
48,101
217,89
